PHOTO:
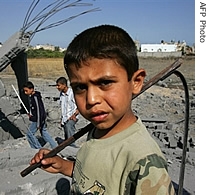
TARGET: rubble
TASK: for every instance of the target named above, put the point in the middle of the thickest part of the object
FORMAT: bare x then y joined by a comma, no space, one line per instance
161,110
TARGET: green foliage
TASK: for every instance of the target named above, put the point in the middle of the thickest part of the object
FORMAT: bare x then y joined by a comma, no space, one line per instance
44,53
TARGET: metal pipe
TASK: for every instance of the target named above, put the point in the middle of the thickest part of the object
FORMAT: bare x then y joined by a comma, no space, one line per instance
185,138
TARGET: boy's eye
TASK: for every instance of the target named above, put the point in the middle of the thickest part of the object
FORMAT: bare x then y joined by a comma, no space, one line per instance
105,82
78,88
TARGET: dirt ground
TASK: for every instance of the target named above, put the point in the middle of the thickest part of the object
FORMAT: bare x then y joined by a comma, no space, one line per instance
187,68
53,67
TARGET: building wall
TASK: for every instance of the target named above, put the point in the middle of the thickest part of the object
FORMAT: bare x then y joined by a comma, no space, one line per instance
158,47
47,47
159,54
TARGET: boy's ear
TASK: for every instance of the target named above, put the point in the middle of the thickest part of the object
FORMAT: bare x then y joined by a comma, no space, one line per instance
138,80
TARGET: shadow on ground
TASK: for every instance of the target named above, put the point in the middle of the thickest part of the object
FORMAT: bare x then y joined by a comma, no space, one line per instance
8,127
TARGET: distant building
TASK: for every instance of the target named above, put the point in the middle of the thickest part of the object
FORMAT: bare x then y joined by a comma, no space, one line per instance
158,47
46,47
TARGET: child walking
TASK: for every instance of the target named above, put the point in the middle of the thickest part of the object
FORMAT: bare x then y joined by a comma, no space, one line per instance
37,117
119,157
69,111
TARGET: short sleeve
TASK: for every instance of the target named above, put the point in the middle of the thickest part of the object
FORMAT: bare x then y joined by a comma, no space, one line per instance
150,176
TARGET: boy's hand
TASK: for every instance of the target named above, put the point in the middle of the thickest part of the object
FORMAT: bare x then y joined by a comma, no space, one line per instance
73,117
29,115
54,164
61,124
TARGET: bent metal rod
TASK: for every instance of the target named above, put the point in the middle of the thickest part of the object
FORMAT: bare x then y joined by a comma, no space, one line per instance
160,76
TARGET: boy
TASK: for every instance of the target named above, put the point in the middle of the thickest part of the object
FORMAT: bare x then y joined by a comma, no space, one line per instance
37,117
69,111
120,156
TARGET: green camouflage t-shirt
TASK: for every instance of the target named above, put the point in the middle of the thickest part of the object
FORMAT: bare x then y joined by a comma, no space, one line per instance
129,162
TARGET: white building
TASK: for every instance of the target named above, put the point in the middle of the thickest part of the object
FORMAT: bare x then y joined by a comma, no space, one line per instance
158,47
46,47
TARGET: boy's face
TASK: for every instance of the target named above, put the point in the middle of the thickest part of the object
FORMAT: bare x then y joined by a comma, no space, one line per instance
103,93
60,87
28,91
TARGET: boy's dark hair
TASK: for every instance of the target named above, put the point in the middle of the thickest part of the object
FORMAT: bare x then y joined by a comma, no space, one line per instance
104,41
62,80
29,85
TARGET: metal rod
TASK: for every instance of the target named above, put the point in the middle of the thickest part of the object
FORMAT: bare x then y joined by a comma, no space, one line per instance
184,150
20,100
60,147
160,76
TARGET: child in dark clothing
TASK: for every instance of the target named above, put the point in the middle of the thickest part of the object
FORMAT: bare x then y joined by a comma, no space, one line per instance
37,117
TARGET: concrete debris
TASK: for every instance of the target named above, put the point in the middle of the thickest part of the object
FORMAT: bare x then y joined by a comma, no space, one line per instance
161,110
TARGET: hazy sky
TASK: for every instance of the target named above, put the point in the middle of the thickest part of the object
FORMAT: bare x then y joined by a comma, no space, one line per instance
148,21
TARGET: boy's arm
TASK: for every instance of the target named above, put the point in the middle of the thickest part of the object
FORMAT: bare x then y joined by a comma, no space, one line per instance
76,112
74,116
37,112
67,168
152,176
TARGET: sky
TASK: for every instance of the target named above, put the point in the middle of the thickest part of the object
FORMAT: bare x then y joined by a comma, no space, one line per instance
147,21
